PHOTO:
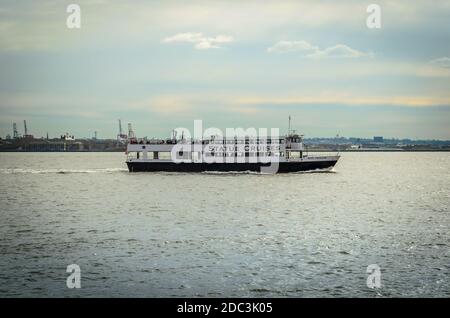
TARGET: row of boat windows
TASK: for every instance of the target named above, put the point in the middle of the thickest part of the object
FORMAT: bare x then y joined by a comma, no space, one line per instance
216,141
241,154
181,154
244,154
241,141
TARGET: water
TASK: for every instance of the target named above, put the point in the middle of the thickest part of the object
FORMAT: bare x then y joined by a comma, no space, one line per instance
232,235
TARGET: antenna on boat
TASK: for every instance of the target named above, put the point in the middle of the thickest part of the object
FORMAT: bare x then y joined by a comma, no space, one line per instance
131,134
289,127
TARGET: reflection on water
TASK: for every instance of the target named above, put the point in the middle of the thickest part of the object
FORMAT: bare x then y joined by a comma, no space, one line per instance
210,235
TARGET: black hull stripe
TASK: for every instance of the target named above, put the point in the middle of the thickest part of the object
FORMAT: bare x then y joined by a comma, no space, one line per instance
225,167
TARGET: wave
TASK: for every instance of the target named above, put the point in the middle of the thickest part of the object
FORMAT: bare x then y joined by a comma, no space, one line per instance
235,172
61,171
325,170
114,170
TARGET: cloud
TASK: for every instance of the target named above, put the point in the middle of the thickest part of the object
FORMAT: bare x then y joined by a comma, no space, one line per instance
165,104
342,99
292,46
311,51
199,104
340,51
200,41
442,62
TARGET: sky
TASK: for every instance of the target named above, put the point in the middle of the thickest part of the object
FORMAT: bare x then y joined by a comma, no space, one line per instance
163,64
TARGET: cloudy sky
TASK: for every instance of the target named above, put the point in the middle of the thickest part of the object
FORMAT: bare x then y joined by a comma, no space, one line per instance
162,64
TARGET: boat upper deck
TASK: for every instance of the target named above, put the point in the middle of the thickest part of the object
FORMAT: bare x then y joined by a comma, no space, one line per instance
219,140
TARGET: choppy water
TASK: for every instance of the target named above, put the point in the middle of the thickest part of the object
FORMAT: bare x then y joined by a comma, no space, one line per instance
160,234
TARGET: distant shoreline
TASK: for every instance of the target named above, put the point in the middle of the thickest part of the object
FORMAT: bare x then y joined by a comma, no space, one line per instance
310,151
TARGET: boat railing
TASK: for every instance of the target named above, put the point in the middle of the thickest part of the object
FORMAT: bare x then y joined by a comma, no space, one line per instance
320,154
230,141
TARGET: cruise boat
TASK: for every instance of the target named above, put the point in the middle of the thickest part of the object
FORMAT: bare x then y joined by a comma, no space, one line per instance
252,154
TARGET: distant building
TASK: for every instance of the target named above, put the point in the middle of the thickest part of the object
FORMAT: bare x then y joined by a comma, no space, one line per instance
67,137
378,139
